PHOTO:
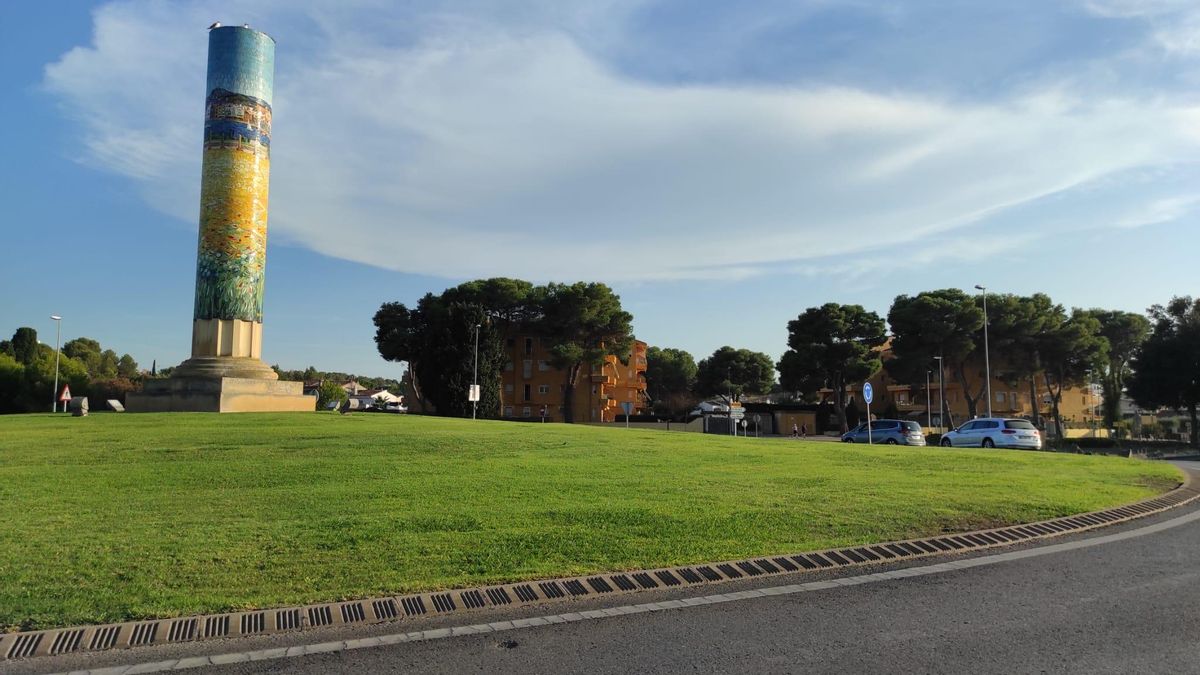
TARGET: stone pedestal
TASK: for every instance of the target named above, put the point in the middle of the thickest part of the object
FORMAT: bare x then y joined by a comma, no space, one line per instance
220,394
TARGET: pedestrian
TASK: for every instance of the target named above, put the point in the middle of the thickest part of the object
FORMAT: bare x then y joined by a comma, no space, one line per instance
795,431
804,431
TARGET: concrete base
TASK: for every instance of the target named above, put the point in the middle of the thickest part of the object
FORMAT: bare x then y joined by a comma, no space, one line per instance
221,394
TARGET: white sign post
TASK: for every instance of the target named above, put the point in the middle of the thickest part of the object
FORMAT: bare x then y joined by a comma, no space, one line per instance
868,394
735,416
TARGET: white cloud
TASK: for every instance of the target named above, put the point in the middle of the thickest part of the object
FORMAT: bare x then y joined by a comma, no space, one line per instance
1158,211
1175,24
476,147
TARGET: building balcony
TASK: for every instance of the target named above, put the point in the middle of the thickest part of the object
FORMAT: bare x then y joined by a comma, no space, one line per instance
601,378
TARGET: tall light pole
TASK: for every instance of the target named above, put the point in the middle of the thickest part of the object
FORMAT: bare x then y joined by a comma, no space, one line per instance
928,405
987,366
1091,398
57,346
941,396
475,374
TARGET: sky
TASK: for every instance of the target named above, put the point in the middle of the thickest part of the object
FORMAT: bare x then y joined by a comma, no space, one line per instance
723,166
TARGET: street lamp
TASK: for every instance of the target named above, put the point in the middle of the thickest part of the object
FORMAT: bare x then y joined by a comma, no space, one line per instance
987,366
475,375
941,396
928,405
57,343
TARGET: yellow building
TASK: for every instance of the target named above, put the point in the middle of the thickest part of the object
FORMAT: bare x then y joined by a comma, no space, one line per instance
532,388
1079,407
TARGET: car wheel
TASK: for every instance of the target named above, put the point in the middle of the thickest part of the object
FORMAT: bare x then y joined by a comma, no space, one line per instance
847,440
945,442
892,441
987,443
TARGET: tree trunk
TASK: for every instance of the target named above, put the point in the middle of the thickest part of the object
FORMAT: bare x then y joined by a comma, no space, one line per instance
569,393
961,376
414,390
1034,403
839,403
1059,432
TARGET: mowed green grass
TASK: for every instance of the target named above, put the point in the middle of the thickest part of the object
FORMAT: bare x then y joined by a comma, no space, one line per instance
117,517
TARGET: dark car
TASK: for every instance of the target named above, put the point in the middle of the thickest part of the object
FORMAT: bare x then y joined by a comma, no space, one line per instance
888,432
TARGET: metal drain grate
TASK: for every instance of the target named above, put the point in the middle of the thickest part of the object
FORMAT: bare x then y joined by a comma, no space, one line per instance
645,580
181,630
320,616
104,638
551,589
216,626
575,588
288,619
730,571
689,575
385,609
67,641
749,568
255,622
499,597
708,573
667,578
599,585
353,613
472,599
24,645
143,634
623,582
413,605
442,602
525,593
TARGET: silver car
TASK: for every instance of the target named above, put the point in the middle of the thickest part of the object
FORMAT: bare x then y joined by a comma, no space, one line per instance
994,432
887,432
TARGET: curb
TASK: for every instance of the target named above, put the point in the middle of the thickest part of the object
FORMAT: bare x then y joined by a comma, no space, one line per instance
57,641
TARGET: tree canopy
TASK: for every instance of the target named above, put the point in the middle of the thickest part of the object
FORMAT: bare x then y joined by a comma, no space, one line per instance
670,379
1166,370
832,346
736,372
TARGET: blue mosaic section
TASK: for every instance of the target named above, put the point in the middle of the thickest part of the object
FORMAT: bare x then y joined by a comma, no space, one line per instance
242,61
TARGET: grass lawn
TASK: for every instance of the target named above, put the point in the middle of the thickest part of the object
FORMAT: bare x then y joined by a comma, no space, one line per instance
116,517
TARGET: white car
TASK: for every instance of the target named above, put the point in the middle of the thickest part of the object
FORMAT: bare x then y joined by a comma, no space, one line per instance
994,432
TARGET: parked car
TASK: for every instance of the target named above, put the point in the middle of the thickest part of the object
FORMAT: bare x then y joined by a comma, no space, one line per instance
888,432
994,432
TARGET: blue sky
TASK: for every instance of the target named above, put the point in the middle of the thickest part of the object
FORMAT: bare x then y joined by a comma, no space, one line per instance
722,165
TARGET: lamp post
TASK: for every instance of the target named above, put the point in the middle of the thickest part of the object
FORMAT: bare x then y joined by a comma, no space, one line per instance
1091,399
475,375
928,405
941,397
57,345
987,366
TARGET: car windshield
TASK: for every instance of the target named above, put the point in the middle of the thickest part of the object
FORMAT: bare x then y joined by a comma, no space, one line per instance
1018,424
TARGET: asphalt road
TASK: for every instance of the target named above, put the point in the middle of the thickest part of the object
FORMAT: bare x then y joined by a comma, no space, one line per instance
1129,606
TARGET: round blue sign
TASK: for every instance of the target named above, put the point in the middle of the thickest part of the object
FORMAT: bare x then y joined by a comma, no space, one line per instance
868,392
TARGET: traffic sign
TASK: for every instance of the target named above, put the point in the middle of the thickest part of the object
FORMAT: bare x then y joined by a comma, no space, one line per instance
737,413
868,392
66,394
627,406
473,393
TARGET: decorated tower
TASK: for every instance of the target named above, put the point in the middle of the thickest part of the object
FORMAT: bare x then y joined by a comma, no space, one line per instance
225,372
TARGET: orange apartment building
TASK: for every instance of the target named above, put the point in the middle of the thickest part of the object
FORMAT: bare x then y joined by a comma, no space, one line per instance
532,388
1079,407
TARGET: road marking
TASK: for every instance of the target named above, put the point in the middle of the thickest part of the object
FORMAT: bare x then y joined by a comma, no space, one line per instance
571,617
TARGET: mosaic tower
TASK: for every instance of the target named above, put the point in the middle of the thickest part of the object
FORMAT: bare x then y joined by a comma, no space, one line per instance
232,250
226,372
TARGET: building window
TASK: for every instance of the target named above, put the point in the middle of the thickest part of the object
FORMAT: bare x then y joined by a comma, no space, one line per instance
510,342
901,397
543,366
543,389
527,397
1000,396
508,410
527,368
528,346
508,388
508,366
526,412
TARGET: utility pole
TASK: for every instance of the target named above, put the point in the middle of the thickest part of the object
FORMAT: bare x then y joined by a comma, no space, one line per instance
57,353
928,404
475,375
941,396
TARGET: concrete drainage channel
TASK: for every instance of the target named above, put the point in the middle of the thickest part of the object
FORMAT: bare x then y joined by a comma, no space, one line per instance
262,622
